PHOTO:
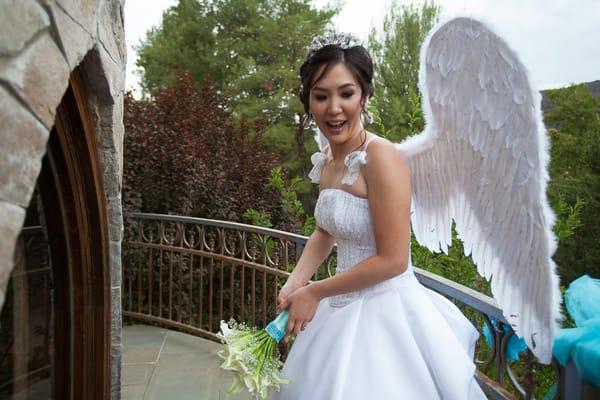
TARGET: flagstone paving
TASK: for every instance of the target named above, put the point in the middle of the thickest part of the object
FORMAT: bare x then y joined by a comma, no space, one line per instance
159,363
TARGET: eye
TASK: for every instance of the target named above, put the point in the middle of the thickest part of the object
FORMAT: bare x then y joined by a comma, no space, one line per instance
320,97
347,95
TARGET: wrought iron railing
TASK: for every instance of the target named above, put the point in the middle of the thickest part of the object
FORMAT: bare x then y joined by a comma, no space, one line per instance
191,273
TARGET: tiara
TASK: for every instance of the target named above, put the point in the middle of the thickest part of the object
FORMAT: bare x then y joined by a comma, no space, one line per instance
343,40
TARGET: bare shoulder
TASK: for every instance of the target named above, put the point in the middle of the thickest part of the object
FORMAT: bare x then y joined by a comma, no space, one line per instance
384,159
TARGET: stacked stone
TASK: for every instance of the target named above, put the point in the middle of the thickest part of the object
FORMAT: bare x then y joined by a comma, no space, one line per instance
41,42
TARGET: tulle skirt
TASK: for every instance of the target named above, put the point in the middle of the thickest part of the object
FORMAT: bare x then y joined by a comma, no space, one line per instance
404,342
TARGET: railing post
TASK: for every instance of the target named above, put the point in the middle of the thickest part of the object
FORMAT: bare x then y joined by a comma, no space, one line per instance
529,382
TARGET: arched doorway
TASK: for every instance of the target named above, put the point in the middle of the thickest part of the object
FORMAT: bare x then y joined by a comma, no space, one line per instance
55,325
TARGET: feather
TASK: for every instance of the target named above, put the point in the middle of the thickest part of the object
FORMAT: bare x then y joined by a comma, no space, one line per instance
482,160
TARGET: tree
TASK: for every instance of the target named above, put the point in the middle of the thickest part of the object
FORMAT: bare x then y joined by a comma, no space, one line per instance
575,176
396,51
252,49
185,41
187,157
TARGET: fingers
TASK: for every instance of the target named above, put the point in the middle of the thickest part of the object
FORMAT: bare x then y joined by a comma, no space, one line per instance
297,327
280,300
291,326
282,306
281,297
294,327
290,329
301,327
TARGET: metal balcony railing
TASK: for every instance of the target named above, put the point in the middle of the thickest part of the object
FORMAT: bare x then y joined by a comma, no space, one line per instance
191,273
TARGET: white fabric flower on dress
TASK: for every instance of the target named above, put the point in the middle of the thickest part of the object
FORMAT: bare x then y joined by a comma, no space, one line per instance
318,160
353,162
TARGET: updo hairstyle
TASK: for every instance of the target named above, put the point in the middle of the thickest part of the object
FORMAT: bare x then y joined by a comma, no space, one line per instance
356,58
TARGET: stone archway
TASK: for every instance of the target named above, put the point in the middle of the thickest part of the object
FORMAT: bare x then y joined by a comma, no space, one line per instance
42,44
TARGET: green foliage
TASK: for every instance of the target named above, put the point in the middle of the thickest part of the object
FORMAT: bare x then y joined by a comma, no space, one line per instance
293,217
258,218
264,42
395,51
189,158
568,218
413,117
454,265
573,109
290,204
185,41
574,189
252,49
377,124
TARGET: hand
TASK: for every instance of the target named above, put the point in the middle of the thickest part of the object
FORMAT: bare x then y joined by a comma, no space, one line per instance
302,306
291,285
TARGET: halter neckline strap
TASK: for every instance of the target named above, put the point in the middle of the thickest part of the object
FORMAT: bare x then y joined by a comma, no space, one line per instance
353,161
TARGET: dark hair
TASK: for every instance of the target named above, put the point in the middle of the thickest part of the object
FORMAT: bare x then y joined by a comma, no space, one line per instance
356,58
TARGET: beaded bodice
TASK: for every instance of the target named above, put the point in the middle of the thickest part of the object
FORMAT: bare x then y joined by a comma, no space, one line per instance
347,217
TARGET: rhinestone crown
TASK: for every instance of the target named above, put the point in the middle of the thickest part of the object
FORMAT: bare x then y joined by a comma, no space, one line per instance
344,40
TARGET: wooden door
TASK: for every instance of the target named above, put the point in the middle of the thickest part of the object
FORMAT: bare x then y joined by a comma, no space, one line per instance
55,325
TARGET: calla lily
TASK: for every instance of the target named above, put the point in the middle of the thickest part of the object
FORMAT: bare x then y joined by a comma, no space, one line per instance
251,355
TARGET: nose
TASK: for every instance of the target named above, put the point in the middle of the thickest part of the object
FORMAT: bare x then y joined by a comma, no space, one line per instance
334,106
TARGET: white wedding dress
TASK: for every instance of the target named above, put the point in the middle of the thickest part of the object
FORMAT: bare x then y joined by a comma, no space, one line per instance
395,340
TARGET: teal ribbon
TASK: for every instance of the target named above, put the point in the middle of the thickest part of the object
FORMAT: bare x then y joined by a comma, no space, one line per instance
277,328
582,344
515,345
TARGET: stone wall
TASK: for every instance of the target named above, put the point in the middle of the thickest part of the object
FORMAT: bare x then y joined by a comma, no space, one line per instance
41,42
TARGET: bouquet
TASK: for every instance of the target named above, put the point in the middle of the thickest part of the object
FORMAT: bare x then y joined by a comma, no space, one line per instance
252,355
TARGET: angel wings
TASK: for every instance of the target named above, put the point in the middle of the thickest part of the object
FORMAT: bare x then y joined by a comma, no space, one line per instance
482,162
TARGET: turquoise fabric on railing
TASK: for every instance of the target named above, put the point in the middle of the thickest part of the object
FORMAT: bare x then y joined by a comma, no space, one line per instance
515,345
582,344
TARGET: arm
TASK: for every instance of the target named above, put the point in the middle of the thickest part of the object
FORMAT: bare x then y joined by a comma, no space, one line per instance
389,201
315,251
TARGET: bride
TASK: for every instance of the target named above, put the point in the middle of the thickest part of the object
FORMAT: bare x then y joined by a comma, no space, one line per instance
372,331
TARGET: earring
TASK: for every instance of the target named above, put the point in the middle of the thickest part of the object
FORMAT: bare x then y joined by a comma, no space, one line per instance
307,120
366,117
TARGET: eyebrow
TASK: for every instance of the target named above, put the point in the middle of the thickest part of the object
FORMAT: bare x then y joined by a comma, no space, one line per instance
340,88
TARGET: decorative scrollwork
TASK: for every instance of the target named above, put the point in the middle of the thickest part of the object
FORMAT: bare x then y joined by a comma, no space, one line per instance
212,239
192,236
255,245
171,232
233,243
495,333
512,376
275,249
149,231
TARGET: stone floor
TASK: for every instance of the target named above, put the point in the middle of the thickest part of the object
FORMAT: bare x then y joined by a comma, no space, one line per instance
162,364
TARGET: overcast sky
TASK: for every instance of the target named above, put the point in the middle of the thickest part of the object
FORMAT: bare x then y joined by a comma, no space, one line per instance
558,40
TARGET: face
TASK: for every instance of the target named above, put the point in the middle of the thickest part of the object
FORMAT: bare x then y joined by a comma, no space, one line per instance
336,104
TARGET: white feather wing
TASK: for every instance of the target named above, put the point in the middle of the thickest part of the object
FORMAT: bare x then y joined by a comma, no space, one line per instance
482,161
